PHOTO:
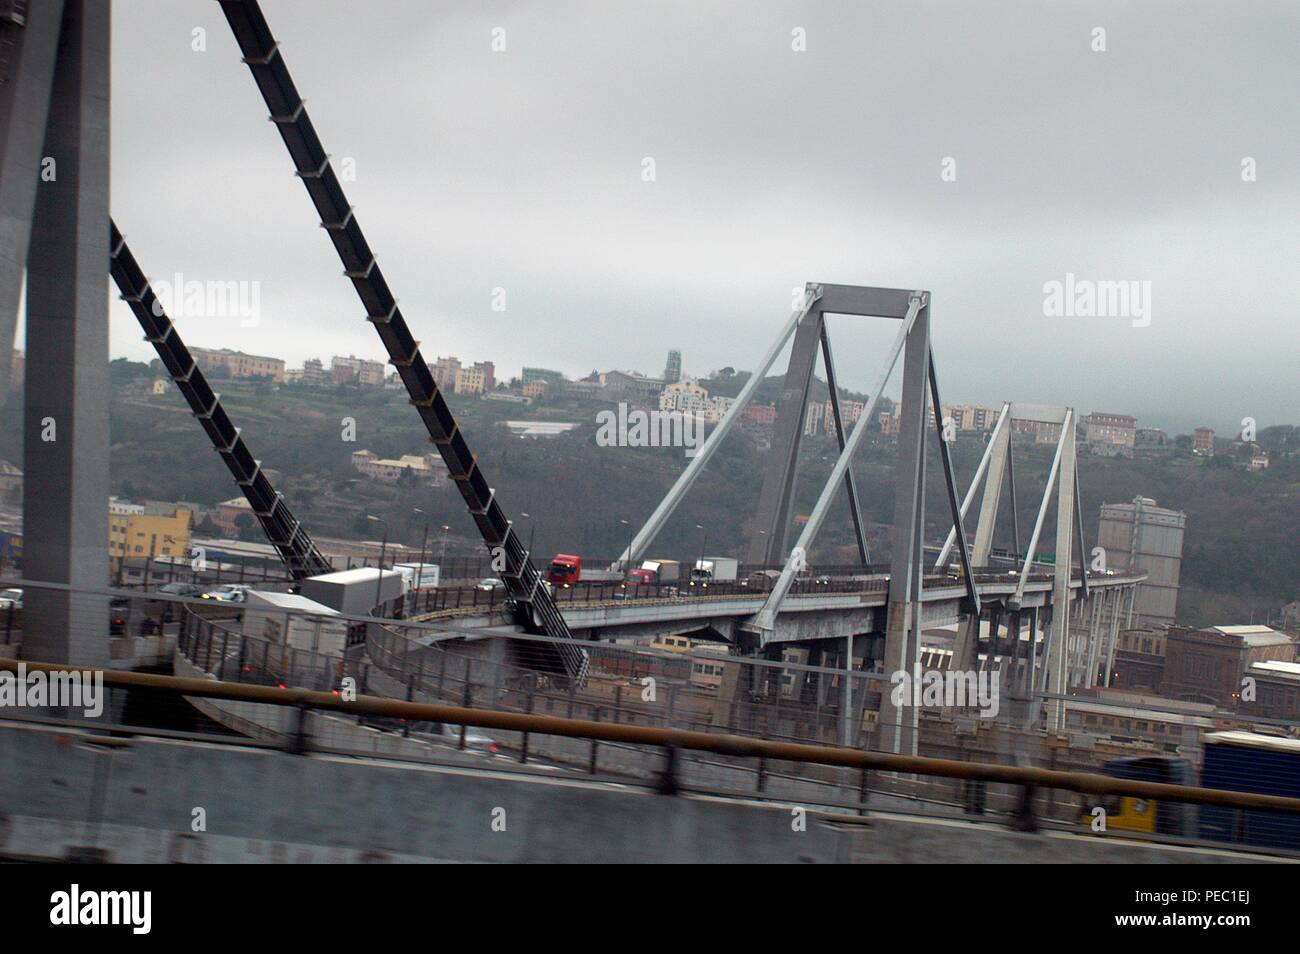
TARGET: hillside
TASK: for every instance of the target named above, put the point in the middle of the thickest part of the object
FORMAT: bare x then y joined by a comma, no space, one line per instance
1240,554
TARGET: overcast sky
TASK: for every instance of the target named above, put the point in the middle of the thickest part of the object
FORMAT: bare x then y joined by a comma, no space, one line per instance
523,170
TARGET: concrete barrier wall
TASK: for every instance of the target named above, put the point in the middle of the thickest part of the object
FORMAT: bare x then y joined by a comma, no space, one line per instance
68,794
260,804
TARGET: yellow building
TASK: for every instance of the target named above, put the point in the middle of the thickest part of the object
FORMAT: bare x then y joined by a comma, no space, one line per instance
471,381
238,364
144,535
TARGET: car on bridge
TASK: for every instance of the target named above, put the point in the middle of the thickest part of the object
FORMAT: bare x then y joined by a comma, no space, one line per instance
182,589
228,593
488,584
11,597
119,612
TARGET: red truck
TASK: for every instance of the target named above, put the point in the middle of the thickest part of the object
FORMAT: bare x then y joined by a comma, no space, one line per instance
566,569
655,573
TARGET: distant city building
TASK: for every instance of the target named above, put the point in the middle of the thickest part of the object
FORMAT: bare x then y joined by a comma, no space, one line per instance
1203,442
1140,659
237,364
964,417
554,379
1111,435
1142,536
445,371
850,411
426,468
1277,689
820,416
588,387
313,372
982,418
470,381
763,415
134,533
680,392
227,513
813,417
969,417
534,389
371,374
689,397
477,379
1151,442
673,369
632,387
359,371
1207,665
1040,432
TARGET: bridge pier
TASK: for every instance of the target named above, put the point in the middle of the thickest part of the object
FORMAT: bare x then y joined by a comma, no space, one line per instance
899,724
65,440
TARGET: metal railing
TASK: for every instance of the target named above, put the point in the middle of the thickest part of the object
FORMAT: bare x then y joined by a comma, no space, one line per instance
1029,780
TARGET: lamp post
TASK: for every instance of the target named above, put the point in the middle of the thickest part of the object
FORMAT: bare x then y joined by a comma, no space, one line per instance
383,549
628,562
704,536
424,542
532,529
443,557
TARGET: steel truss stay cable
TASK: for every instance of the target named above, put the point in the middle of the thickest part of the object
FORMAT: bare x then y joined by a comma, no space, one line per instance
288,112
282,528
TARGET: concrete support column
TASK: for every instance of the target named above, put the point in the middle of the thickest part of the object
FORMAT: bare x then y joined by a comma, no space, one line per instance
1031,659
777,495
846,703
898,724
1061,591
1013,652
1094,642
966,646
65,452
1110,643
988,516
1116,609
25,82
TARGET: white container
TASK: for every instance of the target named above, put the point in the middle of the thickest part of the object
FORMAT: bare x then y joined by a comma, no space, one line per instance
296,622
419,576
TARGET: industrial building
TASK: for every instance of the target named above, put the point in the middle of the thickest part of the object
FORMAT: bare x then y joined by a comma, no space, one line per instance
1142,536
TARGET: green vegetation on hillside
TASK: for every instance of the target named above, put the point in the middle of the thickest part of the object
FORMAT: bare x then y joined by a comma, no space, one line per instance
1240,554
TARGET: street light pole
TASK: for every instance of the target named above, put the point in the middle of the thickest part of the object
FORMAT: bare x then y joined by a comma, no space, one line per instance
383,549
424,542
628,562
704,536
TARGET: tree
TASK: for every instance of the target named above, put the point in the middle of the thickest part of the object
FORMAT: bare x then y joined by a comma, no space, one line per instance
247,528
